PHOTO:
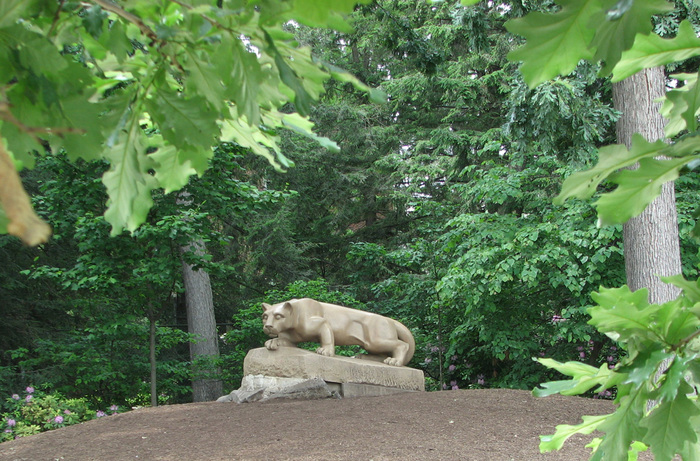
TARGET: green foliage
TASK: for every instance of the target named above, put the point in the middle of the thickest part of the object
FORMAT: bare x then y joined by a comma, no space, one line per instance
593,30
90,78
636,188
651,334
652,51
111,286
37,411
108,362
497,274
626,26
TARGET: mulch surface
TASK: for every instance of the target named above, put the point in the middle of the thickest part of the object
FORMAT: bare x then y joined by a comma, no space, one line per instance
478,425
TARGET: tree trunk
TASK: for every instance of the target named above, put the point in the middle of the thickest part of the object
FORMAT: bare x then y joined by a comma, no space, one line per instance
202,323
651,242
152,357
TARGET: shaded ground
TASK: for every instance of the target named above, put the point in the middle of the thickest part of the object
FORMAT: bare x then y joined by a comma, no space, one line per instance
473,425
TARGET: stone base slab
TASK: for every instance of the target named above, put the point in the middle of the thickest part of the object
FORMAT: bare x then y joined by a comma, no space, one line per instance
292,362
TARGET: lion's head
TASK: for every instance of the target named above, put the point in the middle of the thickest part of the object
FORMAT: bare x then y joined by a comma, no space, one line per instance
277,318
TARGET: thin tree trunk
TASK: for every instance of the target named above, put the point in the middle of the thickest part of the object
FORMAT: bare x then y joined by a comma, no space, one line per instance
152,358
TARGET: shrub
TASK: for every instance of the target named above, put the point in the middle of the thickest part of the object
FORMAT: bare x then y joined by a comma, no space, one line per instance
35,411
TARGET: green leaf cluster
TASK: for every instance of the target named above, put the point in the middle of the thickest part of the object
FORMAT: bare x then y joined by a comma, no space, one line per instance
151,88
614,33
636,188
652,335
620,36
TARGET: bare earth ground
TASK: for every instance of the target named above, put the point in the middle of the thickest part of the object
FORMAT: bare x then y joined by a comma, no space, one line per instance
478,425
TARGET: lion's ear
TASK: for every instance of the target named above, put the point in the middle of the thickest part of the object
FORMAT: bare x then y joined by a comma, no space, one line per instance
266,307
288,307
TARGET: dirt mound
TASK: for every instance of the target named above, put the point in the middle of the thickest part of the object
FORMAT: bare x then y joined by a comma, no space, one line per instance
478,425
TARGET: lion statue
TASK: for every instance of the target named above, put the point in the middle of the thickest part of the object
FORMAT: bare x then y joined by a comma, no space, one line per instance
301,320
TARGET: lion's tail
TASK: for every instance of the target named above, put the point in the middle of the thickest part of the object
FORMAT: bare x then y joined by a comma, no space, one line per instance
405,335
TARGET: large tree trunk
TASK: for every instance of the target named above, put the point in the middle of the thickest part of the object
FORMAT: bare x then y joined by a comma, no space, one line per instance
202,323
651,242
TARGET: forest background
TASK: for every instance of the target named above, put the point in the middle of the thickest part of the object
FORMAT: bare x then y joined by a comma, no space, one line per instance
437,211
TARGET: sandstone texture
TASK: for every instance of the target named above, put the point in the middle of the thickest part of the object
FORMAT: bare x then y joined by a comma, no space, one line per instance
292,362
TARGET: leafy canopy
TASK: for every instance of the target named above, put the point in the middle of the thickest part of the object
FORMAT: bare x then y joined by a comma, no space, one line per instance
619,35
151,87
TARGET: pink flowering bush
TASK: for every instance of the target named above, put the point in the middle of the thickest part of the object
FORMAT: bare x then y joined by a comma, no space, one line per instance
36,411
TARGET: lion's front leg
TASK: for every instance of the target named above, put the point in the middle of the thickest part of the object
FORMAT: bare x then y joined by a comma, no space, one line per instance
326,337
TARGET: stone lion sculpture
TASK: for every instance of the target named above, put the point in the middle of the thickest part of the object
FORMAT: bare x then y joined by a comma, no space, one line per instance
301,320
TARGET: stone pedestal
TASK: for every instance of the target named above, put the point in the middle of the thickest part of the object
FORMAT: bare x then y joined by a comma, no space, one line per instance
355,376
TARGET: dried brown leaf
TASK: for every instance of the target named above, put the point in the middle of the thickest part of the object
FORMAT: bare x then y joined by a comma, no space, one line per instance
24,222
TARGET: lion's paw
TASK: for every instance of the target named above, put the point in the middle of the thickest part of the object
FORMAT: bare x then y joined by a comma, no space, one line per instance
271,344
393,361
327,351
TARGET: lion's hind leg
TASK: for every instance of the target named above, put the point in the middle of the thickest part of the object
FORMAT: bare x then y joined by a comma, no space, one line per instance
394,348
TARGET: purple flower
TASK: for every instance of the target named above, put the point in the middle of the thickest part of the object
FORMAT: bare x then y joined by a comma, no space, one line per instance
452,368
66,412
28,398
11,422
58,419
30,390
8,431
454,358
582,354
580,348
15,397
611,358
114,408
480,380
428,360
100,414
434,349
455,387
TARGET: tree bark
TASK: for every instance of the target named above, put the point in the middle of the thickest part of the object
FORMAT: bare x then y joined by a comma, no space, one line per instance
651,240
201,322
152,358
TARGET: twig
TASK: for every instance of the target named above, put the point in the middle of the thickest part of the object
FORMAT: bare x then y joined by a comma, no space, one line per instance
55,18
685,341
212,21
119,11
8,116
